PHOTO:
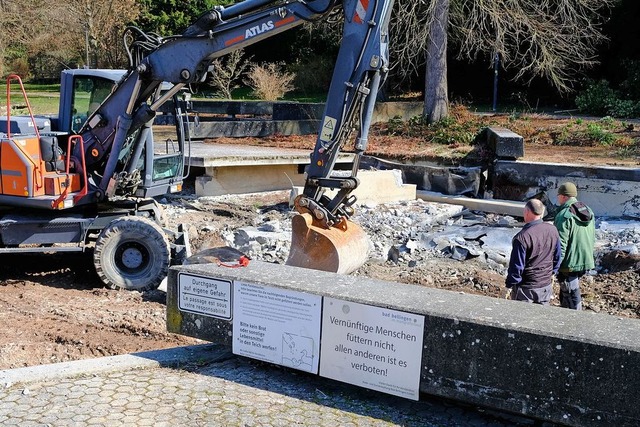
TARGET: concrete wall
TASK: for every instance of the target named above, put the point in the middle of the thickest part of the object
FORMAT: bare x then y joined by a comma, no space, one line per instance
375,187
286,118
252,128
567,367
248,179
609,191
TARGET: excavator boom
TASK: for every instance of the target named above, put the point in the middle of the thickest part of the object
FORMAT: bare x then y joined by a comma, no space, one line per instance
99,188
361,67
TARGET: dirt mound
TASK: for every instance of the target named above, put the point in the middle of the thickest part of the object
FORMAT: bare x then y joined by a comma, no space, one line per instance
617,261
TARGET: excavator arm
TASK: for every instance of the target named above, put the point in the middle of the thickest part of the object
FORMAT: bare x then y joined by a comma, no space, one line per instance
112,145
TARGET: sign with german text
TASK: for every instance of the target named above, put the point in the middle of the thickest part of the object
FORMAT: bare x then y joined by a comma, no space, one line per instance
372,347
277,325
204,295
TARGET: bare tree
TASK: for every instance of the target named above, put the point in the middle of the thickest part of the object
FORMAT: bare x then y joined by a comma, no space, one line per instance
554,39
21,33
65,31
101,23
227,72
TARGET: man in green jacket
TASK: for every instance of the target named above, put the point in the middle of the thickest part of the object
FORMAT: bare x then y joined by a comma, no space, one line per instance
576,226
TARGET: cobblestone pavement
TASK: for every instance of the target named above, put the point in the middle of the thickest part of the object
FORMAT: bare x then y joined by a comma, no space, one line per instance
232,392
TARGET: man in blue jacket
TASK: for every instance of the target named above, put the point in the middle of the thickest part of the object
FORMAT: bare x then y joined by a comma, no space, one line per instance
535,257
576,225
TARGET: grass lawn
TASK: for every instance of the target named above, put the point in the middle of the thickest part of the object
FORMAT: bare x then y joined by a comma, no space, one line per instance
44,99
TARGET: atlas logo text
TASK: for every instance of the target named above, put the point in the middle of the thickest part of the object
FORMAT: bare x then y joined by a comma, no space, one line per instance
258,29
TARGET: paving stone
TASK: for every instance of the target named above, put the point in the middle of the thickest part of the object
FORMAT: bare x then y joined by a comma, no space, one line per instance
235,392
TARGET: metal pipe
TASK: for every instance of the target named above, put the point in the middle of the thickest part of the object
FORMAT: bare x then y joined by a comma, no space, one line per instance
164,98
134,96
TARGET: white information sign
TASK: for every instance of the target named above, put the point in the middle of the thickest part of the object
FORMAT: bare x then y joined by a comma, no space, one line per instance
204,295
277,325
372,347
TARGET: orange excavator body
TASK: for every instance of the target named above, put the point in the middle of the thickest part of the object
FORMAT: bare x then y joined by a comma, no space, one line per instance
23,172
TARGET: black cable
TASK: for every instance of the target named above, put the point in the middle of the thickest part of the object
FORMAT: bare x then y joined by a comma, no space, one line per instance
140,44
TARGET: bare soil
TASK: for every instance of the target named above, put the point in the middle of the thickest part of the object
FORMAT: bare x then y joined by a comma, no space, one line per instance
54,308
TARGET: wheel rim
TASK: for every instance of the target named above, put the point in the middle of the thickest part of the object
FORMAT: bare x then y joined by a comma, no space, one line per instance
132,257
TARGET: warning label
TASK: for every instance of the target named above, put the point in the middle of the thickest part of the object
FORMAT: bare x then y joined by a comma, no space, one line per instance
204,295
328,129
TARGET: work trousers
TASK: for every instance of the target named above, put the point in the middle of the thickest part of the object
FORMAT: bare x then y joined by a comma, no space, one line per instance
536,295
570,290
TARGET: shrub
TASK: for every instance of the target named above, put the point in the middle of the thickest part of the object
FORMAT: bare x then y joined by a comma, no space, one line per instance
598,134
396,126
459,128
624,108
600,99
596,99
605,131
269,82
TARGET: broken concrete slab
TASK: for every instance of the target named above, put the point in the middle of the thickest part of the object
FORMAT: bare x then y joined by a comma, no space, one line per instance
375,187
247,179
463,242
499,240
241,169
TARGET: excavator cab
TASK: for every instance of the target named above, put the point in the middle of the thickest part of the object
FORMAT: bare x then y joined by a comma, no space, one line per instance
158,168
81,93
88,93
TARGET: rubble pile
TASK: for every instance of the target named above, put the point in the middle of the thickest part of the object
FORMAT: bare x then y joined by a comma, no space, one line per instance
617,246
403,233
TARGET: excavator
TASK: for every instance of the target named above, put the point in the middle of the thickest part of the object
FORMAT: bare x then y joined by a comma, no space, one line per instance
91,183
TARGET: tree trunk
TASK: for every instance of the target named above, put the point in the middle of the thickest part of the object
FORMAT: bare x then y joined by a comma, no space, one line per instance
436,100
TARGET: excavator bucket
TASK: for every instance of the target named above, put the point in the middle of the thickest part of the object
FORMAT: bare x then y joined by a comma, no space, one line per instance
339,249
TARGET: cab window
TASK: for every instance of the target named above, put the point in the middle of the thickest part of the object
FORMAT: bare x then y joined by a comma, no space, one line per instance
88,94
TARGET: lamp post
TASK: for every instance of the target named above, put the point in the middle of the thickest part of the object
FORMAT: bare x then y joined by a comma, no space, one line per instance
496,63
86,45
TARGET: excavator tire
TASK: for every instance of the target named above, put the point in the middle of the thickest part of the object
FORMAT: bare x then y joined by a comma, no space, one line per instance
132,253
341,249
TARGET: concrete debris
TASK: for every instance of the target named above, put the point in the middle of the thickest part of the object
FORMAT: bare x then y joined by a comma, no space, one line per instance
409,232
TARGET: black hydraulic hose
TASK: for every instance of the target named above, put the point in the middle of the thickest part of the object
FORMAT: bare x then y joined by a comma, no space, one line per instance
142,43
321,12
